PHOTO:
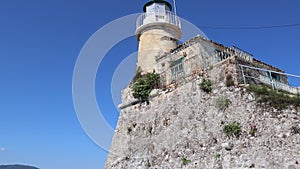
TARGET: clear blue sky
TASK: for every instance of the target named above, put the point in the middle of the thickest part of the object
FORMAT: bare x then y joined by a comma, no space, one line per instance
41,40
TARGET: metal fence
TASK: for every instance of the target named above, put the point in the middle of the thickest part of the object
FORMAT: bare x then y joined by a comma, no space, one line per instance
167,17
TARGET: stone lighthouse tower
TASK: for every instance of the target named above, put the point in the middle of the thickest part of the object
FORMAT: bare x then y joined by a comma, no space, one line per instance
158,30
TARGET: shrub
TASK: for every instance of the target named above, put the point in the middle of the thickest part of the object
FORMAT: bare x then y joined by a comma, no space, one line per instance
218,156
253,130
259,90
185,161
205,85
222,103
143,86
232,129
274,98
148,164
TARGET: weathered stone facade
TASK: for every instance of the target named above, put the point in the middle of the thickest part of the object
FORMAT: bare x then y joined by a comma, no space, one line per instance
199,53
182,128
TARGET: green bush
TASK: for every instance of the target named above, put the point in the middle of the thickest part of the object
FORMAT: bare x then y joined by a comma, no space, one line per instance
143,86
232,129
276,99
148,164
259,90
222,103
218,156
185,161
253,130
205,85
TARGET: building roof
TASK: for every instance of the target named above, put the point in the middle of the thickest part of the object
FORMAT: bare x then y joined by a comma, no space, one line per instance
216,45
157,1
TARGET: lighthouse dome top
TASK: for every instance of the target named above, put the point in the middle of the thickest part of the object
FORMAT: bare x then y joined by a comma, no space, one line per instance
157,2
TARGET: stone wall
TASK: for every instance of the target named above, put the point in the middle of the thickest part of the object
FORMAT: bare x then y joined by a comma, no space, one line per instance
197,57
183,129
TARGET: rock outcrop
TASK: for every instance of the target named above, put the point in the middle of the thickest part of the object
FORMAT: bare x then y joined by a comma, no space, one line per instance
183,128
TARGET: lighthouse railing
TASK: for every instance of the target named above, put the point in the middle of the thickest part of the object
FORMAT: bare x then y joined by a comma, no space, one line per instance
167,17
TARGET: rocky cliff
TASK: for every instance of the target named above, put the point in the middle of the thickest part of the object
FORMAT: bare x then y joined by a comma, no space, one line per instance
186,128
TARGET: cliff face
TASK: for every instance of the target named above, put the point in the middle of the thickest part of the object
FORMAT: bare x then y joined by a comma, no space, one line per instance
184,129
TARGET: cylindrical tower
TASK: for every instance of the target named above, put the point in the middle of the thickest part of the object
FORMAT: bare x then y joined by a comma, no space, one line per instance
158,31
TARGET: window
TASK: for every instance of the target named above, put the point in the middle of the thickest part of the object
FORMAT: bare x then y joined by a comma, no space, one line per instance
221,55
275,76
177,69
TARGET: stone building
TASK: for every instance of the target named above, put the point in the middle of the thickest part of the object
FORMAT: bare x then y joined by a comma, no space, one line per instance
158,31
182,125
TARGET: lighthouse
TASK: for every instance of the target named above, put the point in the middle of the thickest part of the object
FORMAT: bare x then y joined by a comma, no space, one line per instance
158,30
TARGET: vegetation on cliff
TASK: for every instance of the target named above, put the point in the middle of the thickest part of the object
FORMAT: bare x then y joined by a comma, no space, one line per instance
276,99
144,84
206,85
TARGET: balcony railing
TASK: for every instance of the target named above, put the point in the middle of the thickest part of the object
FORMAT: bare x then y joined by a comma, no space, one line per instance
266,78
167,17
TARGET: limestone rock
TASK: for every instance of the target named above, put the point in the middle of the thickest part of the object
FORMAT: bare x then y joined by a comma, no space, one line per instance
184,129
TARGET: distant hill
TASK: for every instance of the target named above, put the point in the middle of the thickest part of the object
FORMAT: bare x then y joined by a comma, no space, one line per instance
16,167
